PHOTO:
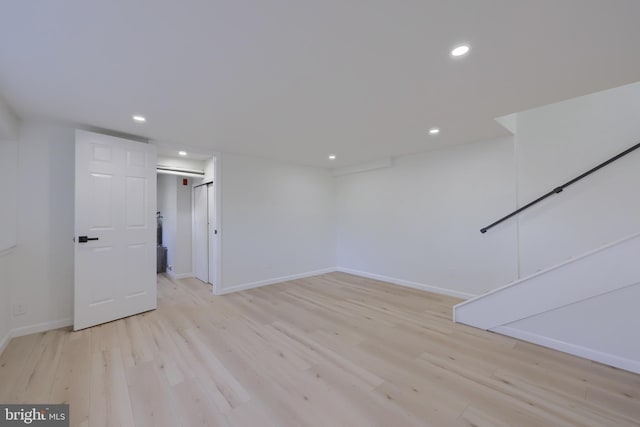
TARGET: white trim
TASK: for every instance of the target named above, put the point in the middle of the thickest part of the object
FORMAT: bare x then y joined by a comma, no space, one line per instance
179,172
576,350
174,276
217,182
408,284
41,327
516,172
392,280
582,278
273,281
387,162
4,342
547,270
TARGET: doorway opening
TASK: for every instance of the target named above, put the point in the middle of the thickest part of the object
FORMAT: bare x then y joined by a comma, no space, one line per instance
188,225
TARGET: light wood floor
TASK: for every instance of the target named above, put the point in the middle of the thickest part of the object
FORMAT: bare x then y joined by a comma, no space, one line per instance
333,350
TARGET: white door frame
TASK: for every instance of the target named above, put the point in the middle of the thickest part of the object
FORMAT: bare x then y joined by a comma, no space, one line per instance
212,233
217,190
217,261
200,232
217,181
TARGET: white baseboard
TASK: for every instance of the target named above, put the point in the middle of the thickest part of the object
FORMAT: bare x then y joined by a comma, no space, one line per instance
179,276
41,327
392,280
576,350
275,280
408,284
5,341
33,329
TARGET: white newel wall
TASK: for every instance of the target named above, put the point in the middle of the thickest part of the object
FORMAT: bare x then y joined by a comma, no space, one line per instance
557,142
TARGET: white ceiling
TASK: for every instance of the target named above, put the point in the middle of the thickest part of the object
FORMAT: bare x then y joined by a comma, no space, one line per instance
298,80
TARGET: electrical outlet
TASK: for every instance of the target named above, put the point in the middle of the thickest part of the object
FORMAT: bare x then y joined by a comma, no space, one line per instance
19,309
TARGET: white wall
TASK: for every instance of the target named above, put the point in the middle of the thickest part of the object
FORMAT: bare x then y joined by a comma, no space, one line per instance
9,122
174,204
8,193
8,225
43,267
209,170
557,142
6,278
8,214
277,220
419,220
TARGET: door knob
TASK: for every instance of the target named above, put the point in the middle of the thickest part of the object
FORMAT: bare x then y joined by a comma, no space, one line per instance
85,239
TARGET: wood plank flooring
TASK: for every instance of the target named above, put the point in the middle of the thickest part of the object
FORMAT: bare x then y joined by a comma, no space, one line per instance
332,350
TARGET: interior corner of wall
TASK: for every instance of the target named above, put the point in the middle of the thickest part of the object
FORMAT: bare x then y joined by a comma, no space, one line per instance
9,122
509,122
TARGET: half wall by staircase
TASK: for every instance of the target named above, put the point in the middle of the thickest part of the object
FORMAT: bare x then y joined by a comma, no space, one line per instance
586,306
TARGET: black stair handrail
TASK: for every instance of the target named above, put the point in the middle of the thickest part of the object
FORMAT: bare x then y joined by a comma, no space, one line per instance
561,187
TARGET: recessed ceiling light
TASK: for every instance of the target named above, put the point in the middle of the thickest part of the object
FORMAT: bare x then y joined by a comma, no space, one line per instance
139,118
434,131
461,50
182,153
332,157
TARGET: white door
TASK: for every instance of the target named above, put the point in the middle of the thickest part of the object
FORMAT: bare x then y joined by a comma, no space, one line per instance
213,233
115,226
200,240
